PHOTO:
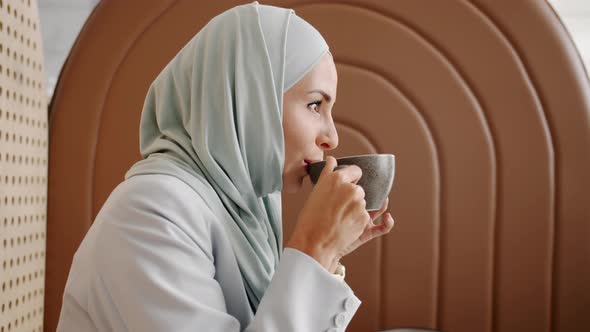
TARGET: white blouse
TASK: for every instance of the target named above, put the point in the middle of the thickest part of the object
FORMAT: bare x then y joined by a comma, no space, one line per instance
157,259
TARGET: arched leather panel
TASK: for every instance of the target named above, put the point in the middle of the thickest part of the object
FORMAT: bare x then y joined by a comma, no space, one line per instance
484,103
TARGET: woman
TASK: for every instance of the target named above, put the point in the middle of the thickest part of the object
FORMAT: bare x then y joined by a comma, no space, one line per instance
192,239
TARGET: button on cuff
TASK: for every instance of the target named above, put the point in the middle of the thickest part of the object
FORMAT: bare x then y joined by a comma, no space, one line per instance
339,320
349,304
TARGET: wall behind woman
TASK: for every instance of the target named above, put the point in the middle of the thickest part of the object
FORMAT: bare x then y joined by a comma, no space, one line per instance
575,14
61,21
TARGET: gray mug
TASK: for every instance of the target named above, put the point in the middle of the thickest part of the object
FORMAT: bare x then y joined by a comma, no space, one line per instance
377,179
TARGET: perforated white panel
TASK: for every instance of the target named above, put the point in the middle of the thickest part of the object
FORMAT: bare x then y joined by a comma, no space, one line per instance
23,168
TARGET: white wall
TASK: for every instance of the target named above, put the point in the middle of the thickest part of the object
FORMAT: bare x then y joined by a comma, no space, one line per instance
575,14
61,20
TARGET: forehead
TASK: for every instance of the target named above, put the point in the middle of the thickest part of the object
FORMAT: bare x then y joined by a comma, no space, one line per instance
322,76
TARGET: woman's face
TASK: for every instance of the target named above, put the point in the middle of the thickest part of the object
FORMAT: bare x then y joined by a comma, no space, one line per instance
307,121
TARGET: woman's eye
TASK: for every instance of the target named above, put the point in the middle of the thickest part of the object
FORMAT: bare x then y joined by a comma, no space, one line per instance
314,106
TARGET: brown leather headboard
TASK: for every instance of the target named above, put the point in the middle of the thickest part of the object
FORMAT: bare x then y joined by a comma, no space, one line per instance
485,104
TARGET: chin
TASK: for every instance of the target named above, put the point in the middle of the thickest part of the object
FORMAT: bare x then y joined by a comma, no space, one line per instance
293,185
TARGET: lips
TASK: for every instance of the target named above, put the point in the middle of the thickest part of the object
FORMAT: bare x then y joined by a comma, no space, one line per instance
311,161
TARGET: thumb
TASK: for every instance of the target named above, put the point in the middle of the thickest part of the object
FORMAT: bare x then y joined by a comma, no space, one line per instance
328,166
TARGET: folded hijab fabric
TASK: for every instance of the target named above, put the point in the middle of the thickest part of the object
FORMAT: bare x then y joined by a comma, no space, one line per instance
213,119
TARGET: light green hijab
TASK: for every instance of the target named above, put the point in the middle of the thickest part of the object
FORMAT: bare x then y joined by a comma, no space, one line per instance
213,119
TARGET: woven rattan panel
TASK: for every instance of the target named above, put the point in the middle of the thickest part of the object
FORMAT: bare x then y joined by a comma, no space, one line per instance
23,168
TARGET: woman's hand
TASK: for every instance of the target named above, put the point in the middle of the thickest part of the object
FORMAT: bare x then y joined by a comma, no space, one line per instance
333,221
372,231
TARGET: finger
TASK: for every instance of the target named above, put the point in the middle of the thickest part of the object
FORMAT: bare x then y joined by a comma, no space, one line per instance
388,223
356,212
375,214
366,216
351,174
359,192
372,231
328,166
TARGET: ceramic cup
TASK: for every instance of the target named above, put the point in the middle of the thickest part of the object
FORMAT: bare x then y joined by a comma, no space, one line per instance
376,181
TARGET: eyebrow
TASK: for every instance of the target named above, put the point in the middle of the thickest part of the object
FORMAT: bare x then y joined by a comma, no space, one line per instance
326,96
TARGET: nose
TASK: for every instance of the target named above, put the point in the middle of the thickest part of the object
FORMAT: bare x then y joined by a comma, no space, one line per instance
329,139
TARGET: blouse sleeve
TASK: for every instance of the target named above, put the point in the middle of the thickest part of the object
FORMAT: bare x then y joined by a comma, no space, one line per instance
304,296
152,276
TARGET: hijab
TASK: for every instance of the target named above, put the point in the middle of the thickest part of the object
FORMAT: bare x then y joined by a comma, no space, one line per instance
213,119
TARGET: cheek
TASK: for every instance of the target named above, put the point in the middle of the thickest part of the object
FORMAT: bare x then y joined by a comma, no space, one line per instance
298,131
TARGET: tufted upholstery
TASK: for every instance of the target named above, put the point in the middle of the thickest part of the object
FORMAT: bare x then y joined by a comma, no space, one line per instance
485,104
